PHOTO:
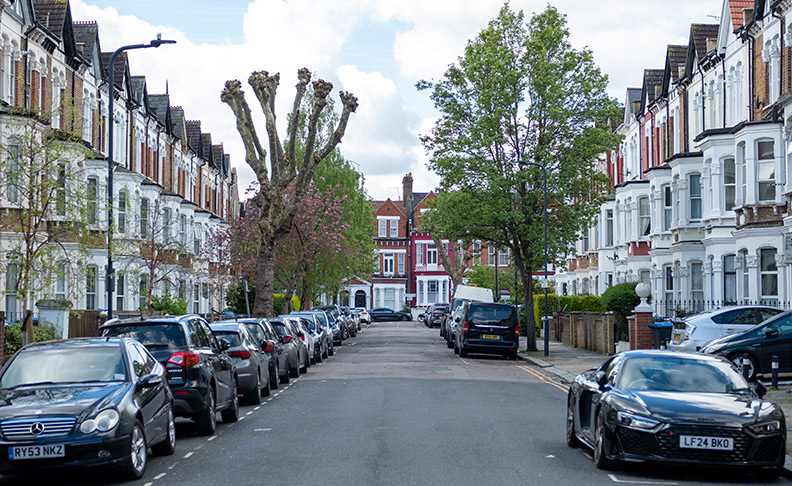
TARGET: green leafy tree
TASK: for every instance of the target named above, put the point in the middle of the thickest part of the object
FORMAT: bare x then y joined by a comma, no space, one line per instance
521,93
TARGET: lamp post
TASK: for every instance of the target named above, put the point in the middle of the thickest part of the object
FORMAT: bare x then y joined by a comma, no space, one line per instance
110,272
545,284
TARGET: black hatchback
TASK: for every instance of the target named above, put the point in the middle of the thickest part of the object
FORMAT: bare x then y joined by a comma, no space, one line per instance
200,372
484,327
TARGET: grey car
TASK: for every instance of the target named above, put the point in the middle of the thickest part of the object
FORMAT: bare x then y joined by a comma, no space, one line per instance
314,327
346,324
261,330
327,330
250,359
295,348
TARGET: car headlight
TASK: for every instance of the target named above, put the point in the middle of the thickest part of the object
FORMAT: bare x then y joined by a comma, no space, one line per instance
106,420
634,421
765,428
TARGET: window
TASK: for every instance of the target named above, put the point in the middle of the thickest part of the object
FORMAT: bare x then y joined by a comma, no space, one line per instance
120,291
197,240
87,134
90,288
383,228
12,174
56,103
645,277
490,254
421,292
503,257
144,218
645,219
768,273
394,227
122,196
432,292
143,294
11,301
401,263
729,280
766,171
431,254
60,191
697,286
196,299
182,229
477,253
182,289
419,253
609,228
585,241
745,276
29,81
166,225
668,283
668,208
387,264
729,183
743,173
91,196
60,281
695,196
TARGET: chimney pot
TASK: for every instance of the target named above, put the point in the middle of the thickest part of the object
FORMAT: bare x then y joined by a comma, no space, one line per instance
747,16
712,44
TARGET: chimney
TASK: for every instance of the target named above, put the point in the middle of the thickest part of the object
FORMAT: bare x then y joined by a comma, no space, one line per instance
407,190
681,70
658,90
712,44
636,107
747,16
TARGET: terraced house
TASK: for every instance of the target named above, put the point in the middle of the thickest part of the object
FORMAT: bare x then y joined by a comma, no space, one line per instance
173,186
700,203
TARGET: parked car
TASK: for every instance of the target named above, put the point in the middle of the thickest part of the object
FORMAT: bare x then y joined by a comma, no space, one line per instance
350,314
758,345
250,359
690,333
336,328
450,322
435,314
665,406
78,403
348,328
300,323
327,330
295,348
314,327
363,315
261,330
200,373
487,327
385,314
462,294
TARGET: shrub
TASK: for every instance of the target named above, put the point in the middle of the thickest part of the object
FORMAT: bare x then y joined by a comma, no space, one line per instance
168,305
13,337
277,303
621,299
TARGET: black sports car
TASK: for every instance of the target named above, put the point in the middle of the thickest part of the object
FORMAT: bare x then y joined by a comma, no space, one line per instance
83,403
385,314
666,406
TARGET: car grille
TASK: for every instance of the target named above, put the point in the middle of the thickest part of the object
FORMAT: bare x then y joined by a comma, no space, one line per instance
632,442
769,449
668,441
23,429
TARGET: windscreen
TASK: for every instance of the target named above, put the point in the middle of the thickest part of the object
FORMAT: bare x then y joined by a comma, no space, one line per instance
65,365
499,315
681,375
150,334
231,336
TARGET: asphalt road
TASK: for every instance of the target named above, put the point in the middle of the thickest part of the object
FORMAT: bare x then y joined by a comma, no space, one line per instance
396,407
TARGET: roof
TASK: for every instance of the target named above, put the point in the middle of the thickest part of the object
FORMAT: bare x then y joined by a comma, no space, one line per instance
193,128
120,68
736,9
652,77
177,120
52,14
158,105
675,56
138,84
699,33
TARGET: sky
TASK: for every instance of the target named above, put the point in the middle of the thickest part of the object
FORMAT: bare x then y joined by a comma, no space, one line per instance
375,49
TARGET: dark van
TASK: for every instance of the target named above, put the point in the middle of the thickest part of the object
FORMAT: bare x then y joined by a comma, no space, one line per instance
485,327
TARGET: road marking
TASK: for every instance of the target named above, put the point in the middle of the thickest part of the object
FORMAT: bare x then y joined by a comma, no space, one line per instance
262,430
148,484
542,377
160,476
257,408
463,360
628,481
249,412
189,454
170,468
352,344
241,419
210,439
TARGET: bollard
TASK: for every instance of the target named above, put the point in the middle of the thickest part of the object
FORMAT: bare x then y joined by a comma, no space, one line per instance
775,371
746,370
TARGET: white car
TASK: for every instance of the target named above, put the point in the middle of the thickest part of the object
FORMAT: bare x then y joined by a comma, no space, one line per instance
691,333
363,315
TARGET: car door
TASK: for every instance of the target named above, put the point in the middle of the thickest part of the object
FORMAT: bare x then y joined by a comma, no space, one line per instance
737,321
221,362
591,394
778,343
150,399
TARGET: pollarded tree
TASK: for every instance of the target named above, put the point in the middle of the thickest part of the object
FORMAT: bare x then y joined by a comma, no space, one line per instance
284,167
521,93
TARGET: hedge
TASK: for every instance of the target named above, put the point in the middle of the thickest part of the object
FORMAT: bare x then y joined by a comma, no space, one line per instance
277,304
573,303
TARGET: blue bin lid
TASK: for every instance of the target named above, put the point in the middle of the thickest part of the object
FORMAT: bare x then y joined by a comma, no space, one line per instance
660,325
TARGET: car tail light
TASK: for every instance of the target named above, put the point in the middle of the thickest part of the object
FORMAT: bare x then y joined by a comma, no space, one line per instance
240,354
268,347
186,359
517,331
302,336
465,327
287,339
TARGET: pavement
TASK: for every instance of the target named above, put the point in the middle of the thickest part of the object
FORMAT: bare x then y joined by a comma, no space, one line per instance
566,362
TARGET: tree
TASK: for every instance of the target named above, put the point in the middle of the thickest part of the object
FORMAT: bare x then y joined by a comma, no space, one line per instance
51,210
521,93
276,210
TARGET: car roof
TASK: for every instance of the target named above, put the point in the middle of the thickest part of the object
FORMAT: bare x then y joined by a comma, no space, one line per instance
80,342
637,353
226,326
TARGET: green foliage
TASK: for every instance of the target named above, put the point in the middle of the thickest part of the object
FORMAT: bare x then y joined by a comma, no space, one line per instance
555,303
235,296
168,305
277,302
13,336
621,299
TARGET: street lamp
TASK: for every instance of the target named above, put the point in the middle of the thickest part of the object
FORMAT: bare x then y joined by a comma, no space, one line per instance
110,278
545,284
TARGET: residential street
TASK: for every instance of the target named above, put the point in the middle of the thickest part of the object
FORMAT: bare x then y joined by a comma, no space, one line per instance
394,406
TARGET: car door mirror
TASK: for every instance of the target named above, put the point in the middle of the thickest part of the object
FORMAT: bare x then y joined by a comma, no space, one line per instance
771,332
601,378
457,319
266,346
225,344
760,389
150,381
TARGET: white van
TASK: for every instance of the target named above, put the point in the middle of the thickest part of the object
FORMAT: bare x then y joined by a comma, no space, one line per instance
471,292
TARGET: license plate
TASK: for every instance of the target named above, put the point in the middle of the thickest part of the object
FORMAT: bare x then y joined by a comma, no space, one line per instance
36,452
677,336
710,443
491,336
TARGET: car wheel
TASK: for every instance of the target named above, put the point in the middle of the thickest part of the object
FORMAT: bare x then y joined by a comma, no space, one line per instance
168,445
462,352
253,397
274,377
206,421
442,332
286,378
304,368
331,351
294,372
601,446
265,392
138,454
326,353
231,414
737,361
571,436
404,318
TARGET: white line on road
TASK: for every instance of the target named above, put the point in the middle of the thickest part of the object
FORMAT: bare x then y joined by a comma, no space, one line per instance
211,438
466,363
352,344
249,412
170,468
160,476
257,408
187,456
148,484
629,481
241,419
261,430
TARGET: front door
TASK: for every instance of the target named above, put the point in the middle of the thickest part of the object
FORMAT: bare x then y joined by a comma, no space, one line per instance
360,299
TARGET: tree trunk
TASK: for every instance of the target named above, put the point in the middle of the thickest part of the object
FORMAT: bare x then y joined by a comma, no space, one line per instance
455,270
265,277
292,285
530,341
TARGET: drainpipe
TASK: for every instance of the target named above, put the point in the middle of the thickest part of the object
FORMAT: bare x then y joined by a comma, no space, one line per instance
723,70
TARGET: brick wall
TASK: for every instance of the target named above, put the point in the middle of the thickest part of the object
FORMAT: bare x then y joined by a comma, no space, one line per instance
760,79
593,331
640,332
